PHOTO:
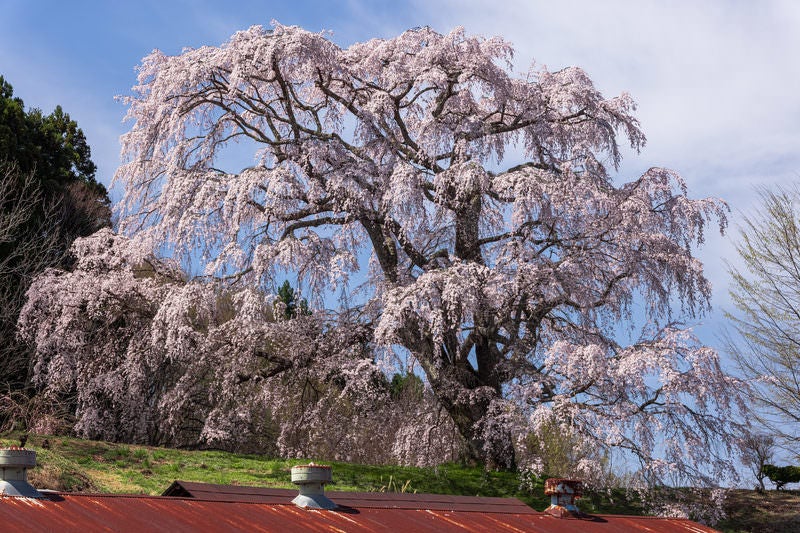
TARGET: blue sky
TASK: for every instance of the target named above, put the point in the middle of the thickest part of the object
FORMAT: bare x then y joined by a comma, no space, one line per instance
717,82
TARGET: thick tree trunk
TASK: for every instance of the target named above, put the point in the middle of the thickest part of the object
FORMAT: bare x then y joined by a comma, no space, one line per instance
468,400
486,443
467,392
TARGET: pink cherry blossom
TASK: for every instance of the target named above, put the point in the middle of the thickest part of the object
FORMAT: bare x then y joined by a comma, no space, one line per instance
505,282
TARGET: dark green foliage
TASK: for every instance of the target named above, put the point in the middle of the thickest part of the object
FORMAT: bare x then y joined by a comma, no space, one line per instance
406,385
48,197
54,150
52,146
292,307
781,475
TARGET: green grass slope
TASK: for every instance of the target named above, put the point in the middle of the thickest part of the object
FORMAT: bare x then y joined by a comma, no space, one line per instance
69,464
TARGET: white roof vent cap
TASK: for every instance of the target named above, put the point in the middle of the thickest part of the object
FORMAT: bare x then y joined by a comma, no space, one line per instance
14,465
311,479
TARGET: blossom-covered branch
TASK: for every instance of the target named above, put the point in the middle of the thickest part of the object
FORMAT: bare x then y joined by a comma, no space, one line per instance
502,255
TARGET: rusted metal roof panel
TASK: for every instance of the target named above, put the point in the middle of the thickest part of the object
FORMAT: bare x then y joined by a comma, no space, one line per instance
64,512
361,500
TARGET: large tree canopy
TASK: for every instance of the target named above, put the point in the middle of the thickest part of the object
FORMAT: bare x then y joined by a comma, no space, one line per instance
505,282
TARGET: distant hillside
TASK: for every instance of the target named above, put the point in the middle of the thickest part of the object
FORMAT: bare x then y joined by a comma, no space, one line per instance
76,465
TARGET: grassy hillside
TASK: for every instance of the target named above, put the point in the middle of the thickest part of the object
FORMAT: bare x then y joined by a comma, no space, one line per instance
90,466
771,512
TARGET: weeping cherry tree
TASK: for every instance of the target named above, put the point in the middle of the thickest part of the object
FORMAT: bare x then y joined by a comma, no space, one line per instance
474,208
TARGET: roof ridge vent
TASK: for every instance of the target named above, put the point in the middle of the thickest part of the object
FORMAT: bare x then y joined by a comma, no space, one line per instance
14,465
563,493
311,479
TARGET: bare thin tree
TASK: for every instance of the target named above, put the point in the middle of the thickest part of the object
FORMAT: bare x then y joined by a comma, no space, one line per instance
757,451
766,293
28,245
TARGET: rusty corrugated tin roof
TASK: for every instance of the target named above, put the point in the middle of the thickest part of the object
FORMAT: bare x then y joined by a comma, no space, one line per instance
361,500
65,512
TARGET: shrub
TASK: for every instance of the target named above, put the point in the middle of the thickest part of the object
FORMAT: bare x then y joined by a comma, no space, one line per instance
781,475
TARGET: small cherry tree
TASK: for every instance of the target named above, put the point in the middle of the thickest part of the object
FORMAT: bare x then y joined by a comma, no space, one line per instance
505,282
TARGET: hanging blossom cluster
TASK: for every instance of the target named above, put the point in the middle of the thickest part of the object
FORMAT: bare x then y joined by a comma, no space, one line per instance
146,355
502,256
